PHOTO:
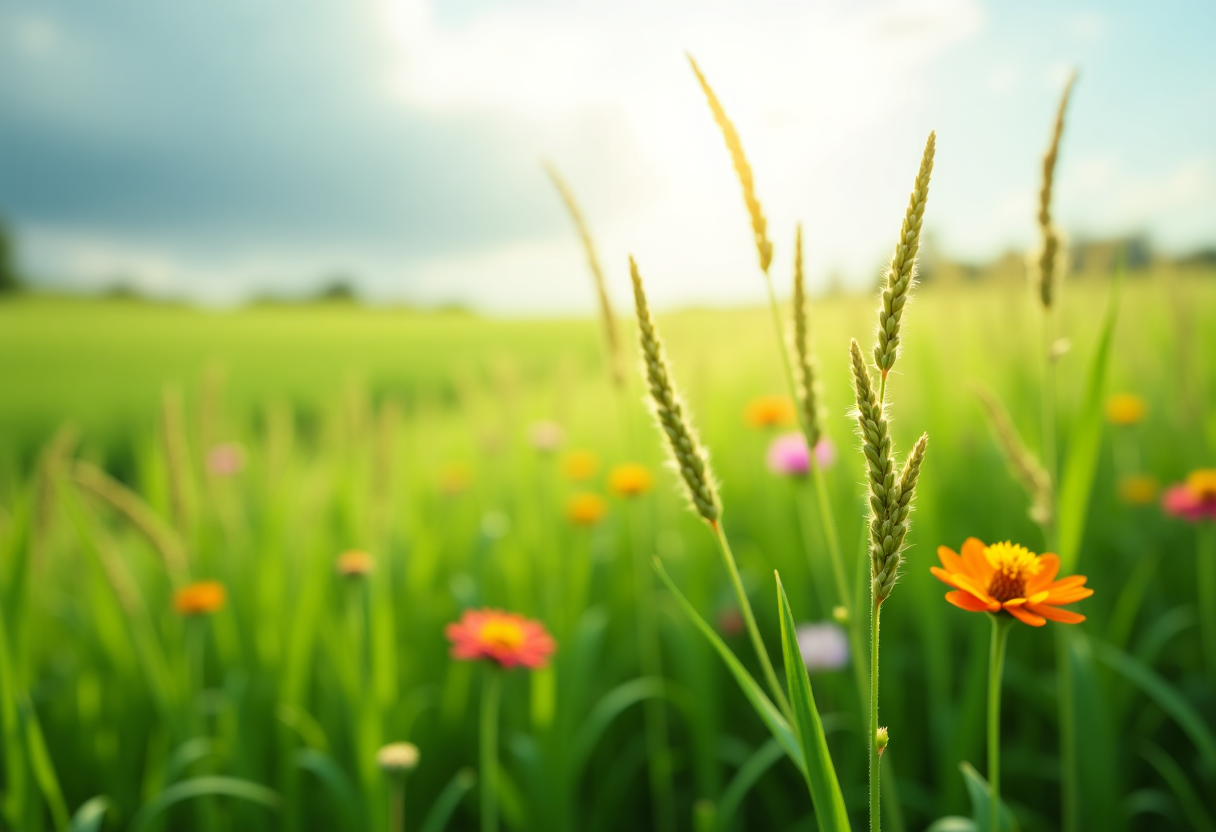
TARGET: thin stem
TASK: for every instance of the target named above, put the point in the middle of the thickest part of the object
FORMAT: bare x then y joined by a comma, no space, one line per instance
875,803
996,665
1206,575
654,711
786,364
491,694
396,803
829,533
1048,402
749,618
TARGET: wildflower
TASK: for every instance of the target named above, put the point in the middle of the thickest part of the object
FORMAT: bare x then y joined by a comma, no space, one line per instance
502,637
1194,499
454,478
1125,409
824,646
354,564
1138,489
1012,578
200,598
580,464
225,459
397,757
546,436
586,509
630,479
769,411
788,456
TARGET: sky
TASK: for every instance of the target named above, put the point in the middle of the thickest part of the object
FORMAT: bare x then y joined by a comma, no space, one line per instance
216,151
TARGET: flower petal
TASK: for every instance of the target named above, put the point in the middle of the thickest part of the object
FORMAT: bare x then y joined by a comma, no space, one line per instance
968,602
975,561
1049,567
1026,617
1066,583
950,559
1070,596
1063,616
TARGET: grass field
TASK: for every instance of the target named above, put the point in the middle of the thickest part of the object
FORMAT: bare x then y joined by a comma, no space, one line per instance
406,435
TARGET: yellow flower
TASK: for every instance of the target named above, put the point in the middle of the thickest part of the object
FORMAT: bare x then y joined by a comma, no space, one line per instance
586,509
1138,489
630,479
1125,409
769,411
1202,483
580,464
355,564
200,598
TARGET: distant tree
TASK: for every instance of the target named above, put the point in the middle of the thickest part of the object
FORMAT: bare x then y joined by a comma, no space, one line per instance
9,281
336,290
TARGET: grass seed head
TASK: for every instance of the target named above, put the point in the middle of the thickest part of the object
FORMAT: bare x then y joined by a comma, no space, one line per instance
743,170
687,454
808,392
1049,256
901,273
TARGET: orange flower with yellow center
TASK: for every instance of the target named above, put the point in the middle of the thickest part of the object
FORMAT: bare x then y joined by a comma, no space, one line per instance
769,411
579,465
1125,409
502,637
200,598
1008,577
630,479
586,509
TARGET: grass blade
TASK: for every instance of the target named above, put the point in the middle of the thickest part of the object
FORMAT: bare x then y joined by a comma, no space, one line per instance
1175,777
1164,694
752,770
981,795
1085,442
605,711
441,812
336,782
203,787
89,816
763,706
820,774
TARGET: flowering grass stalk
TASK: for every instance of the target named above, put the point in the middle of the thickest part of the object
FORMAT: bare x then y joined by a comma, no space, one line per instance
692,462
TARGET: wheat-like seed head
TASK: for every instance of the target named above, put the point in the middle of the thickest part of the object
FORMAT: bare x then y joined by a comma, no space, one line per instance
901,273
744,171
1049,255
809,393
890,496
616,365
688,455
1024,465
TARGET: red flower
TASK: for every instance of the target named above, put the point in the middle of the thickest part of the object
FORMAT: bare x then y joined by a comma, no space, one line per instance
503,637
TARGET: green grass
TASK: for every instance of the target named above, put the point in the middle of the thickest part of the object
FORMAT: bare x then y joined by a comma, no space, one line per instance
349,416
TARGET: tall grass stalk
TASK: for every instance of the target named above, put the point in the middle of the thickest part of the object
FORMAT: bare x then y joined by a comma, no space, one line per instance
996,665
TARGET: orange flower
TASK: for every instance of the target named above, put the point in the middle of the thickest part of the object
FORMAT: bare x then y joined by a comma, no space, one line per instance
200,598
630,479
580,465
1012,578
1138,489
355,564
502,637
586,509
770,411
1125,409
454,478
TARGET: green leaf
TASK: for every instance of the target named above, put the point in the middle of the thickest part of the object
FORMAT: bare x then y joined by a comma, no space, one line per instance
613,703
89,816
1096,776
1085,442
335,780
820,774
752,770
1164,694
441,811
952,823
203,787
981,799
1175,777
762,705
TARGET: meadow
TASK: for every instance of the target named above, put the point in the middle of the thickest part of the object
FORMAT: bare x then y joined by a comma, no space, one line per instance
143,447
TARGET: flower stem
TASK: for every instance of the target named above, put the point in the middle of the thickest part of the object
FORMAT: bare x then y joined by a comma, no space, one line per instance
749,618
996,665
491,695
1206,569
396,805
875,803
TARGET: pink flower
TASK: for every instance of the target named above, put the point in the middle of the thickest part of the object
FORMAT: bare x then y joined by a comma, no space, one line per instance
787,455
1195,499
226,459
502,637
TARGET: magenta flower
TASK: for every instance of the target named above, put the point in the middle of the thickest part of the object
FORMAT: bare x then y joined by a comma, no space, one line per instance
788,456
